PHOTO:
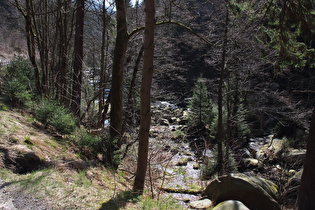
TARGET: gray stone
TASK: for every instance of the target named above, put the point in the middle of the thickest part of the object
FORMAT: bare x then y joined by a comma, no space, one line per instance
201,204
230,205
251,162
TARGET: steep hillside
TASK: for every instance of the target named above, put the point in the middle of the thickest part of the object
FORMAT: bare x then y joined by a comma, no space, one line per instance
38,168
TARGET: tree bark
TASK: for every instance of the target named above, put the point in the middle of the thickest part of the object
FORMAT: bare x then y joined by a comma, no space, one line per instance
220,139
100,122
306,199
78,59
117,73
28,13
146,83
62,84
130,102
116,100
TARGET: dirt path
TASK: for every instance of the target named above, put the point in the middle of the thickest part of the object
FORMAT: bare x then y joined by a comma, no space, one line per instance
11,199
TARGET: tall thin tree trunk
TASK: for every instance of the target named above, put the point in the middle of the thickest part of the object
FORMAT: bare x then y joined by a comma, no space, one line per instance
306,199
100,121
220,138
78,59
63,45
146,83
130,103
117,74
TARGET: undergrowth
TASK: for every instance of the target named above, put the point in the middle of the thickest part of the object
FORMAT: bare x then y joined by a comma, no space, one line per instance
94,188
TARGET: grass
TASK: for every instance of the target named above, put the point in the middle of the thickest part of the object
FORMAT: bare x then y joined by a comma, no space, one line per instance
91,189
62,190
59,184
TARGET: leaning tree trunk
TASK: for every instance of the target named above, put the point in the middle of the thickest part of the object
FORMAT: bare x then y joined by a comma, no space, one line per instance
130,103
146,83
306,199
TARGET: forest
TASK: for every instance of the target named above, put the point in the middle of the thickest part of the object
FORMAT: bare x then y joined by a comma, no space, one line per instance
209,102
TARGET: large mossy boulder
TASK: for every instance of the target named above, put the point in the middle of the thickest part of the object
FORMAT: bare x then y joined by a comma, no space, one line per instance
256,193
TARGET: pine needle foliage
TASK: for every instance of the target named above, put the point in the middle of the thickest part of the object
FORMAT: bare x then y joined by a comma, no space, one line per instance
200,105
18,82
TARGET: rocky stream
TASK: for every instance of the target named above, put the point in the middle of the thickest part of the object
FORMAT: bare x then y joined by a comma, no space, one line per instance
264,159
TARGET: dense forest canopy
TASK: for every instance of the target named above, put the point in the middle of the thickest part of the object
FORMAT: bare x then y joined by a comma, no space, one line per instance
243,68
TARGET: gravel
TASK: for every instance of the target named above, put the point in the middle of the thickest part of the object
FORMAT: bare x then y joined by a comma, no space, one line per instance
12,199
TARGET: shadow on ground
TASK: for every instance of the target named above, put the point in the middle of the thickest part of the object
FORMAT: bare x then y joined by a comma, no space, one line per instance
120,200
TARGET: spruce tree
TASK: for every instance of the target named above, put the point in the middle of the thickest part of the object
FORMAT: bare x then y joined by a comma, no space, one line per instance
201,107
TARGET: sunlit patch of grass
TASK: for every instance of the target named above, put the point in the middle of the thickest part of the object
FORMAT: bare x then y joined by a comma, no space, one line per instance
164,203
66,190
82,180
5,174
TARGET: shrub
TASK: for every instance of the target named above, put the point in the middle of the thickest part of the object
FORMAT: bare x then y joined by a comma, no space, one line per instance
45,111
62,121
51,113
18,82
86,140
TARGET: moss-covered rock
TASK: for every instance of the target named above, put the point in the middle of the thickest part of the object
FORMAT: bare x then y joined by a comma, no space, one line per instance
196,166
255,193
182,161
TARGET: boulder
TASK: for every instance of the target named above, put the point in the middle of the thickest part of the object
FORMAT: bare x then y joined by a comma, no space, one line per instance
269,152
196,166
255,193
164,122
182,161
230,205
201,204
251,163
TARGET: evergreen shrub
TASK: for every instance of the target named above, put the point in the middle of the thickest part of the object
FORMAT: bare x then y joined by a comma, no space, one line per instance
18,83
50,113
89,141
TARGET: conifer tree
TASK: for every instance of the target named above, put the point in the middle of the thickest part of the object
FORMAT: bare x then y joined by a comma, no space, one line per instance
201,105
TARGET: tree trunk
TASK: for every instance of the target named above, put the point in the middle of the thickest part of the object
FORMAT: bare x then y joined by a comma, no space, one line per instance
306,199
30,38
220,139
62,25
130,102
100,121
146,83
78,59
117,74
